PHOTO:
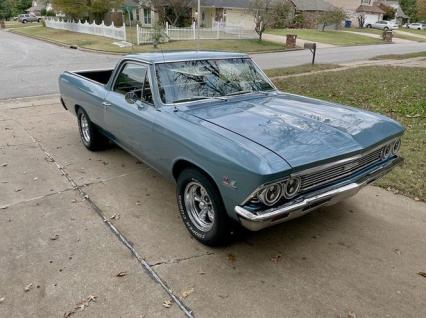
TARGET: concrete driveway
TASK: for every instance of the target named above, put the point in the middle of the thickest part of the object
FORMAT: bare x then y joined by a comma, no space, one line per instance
99,235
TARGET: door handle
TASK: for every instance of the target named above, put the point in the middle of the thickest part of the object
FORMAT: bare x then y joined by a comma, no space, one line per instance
106,104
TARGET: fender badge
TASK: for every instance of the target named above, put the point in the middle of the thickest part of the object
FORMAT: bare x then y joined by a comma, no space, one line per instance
228,182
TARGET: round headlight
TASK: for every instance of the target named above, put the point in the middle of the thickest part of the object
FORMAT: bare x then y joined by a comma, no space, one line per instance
291,187
271,194
386,152
396,146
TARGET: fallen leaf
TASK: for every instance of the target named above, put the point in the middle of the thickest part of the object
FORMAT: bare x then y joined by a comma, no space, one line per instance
2,299
397,251
187,292
121,274
167,303
275,259
423,274
4,164
80,306
54,238
4,207
416,199
28,287
232,258
35,179
115,216
412,116
18,189
351,315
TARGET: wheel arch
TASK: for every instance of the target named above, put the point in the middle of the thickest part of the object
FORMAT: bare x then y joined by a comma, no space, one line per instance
182,164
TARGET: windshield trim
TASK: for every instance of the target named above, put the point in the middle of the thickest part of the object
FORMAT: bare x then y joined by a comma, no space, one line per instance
225,98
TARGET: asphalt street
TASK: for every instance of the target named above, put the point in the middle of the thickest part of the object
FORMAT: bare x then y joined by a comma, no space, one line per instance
30,67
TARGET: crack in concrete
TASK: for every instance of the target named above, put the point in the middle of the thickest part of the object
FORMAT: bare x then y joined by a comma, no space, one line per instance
40,197
147,267
178,260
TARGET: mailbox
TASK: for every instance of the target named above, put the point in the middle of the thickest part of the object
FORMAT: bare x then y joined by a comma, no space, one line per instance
313,48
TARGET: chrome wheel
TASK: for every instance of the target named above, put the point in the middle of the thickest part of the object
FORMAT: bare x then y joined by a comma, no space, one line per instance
199,206
84,126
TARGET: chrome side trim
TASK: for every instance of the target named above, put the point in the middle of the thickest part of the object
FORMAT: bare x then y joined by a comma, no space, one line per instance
255,222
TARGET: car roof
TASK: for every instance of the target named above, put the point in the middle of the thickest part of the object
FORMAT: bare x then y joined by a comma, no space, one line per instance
165,57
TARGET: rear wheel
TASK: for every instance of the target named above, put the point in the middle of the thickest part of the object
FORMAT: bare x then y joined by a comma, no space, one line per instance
386,29
38,20
369,26
24,21
90,136
202,209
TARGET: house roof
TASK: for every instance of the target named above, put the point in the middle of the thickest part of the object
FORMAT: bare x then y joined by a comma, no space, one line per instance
224,3
312,5
370,9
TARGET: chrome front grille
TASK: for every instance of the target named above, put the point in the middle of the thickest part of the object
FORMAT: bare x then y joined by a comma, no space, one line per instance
339,170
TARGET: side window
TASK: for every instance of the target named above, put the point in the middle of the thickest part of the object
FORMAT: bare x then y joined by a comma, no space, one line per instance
134,78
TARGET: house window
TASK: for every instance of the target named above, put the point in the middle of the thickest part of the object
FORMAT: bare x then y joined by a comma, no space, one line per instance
147,16
365,1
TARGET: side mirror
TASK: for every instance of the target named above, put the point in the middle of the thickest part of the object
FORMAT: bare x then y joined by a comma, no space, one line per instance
131,97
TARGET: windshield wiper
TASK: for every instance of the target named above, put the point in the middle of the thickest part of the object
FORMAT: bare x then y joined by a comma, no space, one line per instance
190,99
194,98
238,93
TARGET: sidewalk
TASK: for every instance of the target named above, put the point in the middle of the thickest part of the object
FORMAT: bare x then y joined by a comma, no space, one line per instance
395,40
299,42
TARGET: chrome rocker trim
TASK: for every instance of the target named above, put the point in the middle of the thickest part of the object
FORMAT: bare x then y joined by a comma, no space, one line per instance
263,219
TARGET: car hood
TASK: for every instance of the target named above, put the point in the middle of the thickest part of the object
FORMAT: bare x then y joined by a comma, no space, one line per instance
300,130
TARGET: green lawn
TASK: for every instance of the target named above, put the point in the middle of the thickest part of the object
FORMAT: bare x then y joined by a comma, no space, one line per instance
399,56
105,44
329,37
419,32
397,92
306,68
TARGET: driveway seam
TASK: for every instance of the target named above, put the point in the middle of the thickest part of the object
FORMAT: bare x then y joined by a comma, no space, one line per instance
145,265
178,260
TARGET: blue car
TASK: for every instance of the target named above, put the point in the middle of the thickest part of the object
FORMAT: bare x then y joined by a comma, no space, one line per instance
241,152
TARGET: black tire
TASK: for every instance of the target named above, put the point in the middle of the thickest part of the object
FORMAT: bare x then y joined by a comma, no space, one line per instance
369,26
386,29
24,21
221,229
91,138
38,20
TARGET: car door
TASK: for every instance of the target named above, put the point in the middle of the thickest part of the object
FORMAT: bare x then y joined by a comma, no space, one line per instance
129,109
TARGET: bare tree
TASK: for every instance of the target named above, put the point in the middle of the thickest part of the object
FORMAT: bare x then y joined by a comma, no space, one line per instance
172,11
264,15
361,20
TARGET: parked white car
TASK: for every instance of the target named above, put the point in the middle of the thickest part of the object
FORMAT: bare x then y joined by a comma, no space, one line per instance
383,25
417,26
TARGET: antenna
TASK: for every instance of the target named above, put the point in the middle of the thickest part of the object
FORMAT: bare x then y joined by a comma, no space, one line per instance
198,25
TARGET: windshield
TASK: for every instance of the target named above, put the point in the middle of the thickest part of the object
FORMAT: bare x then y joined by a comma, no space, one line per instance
203,79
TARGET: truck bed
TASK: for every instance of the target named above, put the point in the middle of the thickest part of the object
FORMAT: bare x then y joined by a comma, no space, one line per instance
99,76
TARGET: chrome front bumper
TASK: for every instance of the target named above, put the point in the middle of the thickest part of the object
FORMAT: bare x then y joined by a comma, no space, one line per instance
323,197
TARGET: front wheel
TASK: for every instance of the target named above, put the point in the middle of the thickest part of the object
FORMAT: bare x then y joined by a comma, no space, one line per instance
202,209
24,21
369,26
38,20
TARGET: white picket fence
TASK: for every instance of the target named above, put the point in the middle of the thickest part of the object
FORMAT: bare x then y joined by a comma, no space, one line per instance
218,32
109,31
